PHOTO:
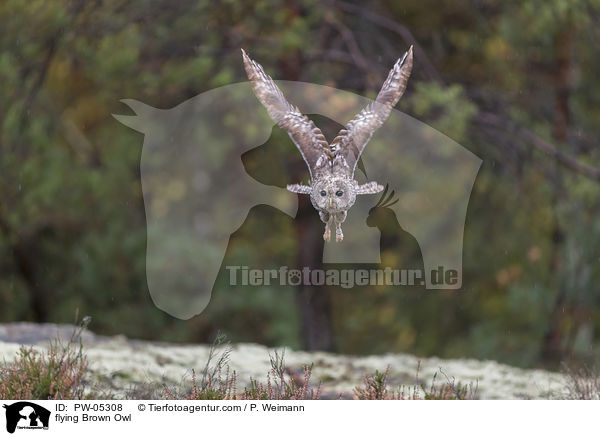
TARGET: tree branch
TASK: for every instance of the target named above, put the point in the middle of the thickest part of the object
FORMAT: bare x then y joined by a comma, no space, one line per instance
485,118
397,28
541,144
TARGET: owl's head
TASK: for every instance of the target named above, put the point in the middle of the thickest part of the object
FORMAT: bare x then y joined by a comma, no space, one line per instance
333,195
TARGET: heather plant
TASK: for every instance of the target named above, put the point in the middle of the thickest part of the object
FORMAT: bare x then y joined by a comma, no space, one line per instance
216,382
376,387
449,389
582,383
213,387
282,384
56,373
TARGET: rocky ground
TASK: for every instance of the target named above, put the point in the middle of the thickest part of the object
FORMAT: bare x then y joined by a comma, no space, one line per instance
123,366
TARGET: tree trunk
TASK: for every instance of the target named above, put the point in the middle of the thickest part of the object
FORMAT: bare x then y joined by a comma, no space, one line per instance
314,302
553,349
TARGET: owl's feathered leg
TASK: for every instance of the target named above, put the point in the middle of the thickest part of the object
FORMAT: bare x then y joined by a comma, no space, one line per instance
339,218
327,219
339,235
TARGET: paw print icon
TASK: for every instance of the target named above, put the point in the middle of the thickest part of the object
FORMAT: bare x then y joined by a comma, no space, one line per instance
294,277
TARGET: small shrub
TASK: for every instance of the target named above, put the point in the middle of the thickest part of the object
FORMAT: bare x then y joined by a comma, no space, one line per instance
281,384
582,383
213,388
375,387
218,383
56,373
449,390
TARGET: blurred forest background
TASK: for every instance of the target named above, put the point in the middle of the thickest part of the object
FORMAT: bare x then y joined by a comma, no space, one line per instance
515,82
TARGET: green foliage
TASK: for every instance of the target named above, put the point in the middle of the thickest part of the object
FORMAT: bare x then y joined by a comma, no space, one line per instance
447,109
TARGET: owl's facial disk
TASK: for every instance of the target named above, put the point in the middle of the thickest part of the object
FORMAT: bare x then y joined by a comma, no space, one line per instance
334,195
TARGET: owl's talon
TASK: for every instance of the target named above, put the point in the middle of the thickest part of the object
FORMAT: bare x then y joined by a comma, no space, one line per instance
327,235
339,236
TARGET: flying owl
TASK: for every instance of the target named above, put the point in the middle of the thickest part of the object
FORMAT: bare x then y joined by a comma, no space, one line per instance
332,188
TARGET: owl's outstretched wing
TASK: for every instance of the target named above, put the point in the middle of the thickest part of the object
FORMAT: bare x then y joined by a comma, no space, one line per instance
308,138
352,140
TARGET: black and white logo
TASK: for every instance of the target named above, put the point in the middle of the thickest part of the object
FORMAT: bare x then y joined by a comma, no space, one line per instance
26,415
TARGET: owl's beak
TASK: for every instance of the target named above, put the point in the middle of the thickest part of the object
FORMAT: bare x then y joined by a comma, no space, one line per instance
330,202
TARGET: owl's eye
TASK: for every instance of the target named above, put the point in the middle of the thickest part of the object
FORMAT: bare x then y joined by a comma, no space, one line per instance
323,193
339,193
